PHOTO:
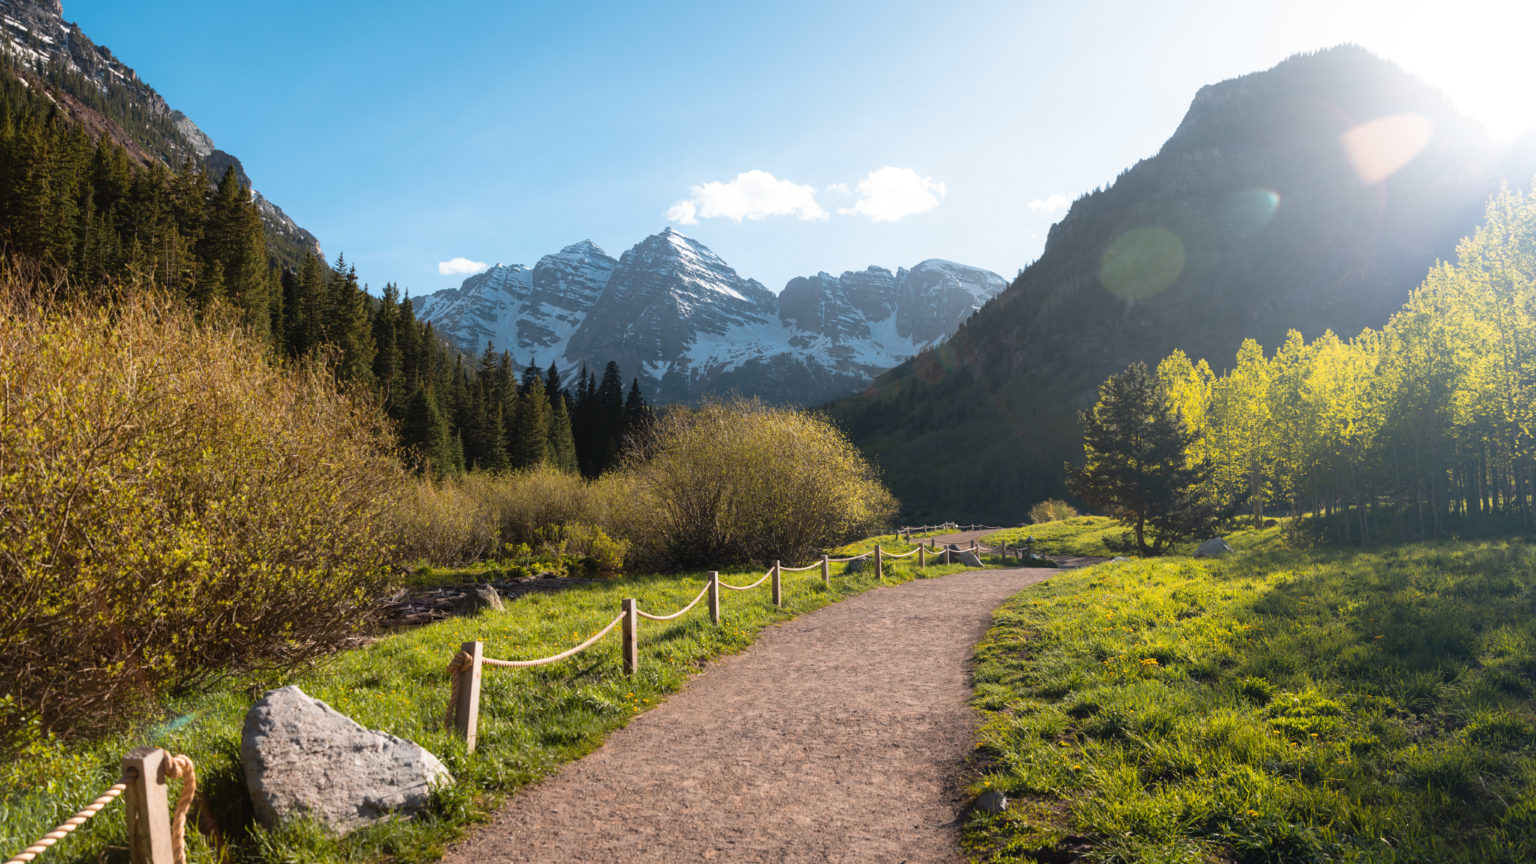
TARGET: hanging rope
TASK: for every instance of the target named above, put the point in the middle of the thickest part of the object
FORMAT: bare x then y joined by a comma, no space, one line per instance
70,824
181,767
747,587
679,612
176,767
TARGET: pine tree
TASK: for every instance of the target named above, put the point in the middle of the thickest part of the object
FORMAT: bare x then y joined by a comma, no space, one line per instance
637,414
530,446
562,444
424,432
1136,462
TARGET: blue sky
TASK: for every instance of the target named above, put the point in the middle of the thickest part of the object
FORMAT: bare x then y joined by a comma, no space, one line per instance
790,137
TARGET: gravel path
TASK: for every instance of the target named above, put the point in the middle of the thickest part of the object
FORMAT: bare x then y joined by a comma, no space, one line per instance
837,736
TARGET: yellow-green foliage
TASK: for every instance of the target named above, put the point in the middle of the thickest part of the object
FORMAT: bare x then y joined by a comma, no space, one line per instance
172,506
531,720
742,481
1420,429
1051,510
1073,535
458,521
1267,706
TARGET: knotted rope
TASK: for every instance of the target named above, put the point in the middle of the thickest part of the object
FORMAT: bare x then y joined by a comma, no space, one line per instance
181,767
176,767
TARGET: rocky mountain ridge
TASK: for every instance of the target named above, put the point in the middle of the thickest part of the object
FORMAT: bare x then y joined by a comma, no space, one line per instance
1311,196
672,312
105,95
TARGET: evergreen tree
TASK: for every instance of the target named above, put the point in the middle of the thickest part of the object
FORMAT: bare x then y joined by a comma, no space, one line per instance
1136,463
637,414
530,447
424,433
562,444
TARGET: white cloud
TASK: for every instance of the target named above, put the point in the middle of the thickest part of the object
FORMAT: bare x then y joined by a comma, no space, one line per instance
461,267
683,213
1053,204
752,195
893,193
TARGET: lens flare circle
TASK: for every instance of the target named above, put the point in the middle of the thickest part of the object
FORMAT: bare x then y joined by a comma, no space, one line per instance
1142,262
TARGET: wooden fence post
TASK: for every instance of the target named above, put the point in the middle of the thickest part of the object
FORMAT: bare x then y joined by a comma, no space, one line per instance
879,574
975,546
826,571
466,711
922,557
778,586
946,555
631,637
714,596
145,806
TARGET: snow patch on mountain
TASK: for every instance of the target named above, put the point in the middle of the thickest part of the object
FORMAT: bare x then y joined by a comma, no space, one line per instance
675,314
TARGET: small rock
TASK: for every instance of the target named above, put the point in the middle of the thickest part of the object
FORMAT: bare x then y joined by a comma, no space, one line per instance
1119,559
854,566
479,599
303,758
992,801
1213,547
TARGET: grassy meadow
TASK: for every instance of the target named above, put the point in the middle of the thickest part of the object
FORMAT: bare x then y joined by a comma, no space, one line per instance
1271,705
531,720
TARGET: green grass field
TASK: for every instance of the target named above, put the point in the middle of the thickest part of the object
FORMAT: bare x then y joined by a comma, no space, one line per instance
531,720
1269,706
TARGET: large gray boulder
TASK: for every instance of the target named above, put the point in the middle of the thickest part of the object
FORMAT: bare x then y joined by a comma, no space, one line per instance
303,758
967,558
1212,547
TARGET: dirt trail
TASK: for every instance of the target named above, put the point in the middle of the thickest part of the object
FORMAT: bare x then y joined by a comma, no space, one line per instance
836,737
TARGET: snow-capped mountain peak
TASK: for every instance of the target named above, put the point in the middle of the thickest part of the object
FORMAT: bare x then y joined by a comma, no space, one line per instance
674,313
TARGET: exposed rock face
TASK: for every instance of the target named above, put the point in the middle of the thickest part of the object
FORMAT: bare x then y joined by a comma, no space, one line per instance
35,32
304,759
529,313
671,312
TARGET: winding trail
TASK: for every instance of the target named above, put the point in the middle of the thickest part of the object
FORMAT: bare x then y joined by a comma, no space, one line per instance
837,736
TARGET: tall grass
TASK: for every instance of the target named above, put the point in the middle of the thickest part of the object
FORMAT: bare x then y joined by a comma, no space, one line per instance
1273,705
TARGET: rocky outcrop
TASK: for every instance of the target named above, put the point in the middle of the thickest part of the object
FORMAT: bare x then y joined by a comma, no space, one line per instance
303,759
35,33
672,313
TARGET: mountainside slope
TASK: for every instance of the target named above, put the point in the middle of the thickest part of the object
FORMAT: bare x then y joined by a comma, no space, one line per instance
100,92
1311,196
672,313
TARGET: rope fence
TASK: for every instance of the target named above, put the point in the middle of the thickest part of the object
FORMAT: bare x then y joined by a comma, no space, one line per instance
157,832
906,533
464,670
155,835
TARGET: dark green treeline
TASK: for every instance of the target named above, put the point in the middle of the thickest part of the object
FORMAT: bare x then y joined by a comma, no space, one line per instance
81,206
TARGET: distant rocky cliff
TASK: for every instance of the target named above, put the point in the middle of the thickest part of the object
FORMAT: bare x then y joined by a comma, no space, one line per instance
106,96
673,313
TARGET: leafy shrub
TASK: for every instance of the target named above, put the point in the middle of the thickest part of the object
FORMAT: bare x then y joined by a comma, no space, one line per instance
443,522
740,481
458,521
173,506
526,502
1051,510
